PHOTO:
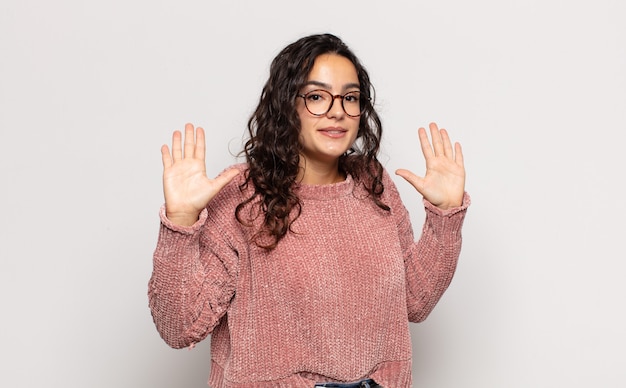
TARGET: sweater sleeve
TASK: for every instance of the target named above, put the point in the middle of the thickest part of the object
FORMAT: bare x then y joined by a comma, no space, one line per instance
431,261
193,279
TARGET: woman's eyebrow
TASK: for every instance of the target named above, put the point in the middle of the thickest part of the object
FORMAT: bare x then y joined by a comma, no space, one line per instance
327,86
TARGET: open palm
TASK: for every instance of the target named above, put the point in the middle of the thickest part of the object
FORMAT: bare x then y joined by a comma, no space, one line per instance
443,185
186,187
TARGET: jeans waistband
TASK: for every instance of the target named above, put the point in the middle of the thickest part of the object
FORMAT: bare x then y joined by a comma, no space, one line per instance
369,383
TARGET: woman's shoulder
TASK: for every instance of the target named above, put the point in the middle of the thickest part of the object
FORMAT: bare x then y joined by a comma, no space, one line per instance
385,177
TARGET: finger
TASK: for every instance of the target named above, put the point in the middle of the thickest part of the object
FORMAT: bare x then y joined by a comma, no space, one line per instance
177,152
447,144
414,180
458,155
225,177
189,141
165,156
200,144
436,139
427,150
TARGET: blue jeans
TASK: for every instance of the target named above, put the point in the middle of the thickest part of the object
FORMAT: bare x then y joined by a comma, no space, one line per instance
369,383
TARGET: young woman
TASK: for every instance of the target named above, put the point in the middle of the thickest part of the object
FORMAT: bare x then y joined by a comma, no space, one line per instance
301,263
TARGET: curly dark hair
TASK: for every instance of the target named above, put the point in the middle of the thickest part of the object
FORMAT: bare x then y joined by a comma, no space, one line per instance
273,149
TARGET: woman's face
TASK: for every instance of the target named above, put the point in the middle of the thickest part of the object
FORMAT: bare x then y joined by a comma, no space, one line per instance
325,138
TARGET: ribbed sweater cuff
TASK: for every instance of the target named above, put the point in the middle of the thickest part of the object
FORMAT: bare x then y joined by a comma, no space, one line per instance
179,228
446,224
450,212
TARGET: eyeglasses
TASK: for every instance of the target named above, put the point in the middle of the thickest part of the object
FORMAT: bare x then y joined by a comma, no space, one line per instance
319,102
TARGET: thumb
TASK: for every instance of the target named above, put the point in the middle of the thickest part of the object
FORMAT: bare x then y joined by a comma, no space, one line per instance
225,177
414,180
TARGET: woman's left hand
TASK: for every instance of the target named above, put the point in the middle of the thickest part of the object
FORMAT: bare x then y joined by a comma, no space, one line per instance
443,185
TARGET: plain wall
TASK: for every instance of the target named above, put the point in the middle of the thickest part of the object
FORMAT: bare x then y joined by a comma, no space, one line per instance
534,90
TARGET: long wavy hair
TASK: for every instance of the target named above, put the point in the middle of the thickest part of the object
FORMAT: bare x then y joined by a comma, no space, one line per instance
273,149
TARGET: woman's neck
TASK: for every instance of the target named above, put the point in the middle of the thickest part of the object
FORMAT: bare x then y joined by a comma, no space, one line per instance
319,174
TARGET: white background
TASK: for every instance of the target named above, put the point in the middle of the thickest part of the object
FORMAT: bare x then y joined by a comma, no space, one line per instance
534,90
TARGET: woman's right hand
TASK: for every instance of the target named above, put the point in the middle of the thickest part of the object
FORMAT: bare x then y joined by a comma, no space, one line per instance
186,187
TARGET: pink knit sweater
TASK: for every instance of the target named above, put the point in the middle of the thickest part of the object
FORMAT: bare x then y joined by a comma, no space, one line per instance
332,302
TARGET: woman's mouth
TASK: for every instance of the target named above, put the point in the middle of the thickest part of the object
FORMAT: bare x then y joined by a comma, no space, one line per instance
333,131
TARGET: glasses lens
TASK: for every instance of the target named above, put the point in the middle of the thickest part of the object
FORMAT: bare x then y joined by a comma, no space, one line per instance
318,101
353,103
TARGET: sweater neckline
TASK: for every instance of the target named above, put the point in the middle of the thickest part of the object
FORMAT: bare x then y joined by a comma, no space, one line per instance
325,192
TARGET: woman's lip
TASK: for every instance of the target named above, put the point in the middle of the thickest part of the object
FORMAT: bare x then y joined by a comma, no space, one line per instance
333,131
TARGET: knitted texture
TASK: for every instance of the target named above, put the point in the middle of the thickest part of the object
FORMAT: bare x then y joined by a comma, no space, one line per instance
332,302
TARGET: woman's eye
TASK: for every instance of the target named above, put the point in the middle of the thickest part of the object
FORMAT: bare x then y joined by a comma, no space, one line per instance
351,98
315,97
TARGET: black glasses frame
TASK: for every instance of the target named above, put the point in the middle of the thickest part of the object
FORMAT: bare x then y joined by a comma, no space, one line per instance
363,101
